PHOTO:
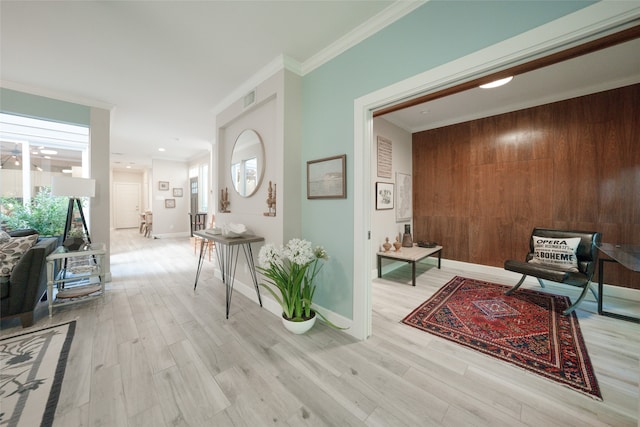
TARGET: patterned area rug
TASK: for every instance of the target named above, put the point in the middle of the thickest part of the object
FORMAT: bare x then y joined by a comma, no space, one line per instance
526,329
32,366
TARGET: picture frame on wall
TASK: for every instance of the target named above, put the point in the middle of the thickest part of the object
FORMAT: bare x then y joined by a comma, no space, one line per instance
404,197
163,185
384,195
327,178
177,192
169,203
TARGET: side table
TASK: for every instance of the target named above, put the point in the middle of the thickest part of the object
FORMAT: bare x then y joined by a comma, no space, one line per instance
76,275
626,255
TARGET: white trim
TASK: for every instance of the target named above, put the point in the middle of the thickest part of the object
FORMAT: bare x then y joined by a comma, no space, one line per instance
386,17
19,87
589,23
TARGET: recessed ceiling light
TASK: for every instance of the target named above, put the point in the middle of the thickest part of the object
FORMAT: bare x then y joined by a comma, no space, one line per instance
66,170
497,83
128,166
50,152
161,149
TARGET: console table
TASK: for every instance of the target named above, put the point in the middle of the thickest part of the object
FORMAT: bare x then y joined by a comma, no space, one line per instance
227,249
411,256
626,255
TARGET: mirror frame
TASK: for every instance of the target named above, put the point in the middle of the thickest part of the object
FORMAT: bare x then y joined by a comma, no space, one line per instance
260,160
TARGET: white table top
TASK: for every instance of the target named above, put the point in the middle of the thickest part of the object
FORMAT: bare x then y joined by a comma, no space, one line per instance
414,253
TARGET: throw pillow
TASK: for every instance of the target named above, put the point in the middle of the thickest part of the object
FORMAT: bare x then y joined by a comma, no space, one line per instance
4,237
556,252
12,251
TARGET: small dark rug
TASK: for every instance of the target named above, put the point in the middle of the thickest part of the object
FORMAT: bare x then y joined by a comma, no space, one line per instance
526,329
32,367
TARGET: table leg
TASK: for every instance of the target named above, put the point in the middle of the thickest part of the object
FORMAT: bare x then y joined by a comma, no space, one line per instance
200,259
248,253
439,258
413,273
50,270
601,311
379,266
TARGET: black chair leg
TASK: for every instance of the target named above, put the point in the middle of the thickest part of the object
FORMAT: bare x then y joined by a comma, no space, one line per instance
580,298
515,288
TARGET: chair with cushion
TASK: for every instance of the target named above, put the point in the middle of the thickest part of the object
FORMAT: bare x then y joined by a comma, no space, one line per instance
562,256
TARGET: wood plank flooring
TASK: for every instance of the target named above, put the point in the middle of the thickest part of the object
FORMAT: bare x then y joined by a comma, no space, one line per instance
156,353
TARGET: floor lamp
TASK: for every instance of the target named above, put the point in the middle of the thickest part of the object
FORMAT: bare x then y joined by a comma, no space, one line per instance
74,188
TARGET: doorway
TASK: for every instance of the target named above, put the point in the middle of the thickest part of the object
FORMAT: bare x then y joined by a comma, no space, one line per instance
453,77
126,205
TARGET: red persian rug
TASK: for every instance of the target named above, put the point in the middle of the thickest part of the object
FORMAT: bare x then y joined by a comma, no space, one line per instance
526,329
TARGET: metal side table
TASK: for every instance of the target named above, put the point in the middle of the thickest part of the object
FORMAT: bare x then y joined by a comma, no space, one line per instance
626,255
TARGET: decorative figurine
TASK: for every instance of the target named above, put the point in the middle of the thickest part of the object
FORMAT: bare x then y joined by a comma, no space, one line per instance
224,200
271,200
397,245
386,245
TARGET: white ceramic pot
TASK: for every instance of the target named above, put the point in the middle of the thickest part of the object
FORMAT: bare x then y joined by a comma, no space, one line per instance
299,327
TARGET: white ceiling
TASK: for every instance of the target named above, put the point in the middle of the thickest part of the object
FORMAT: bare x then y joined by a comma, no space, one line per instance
164,67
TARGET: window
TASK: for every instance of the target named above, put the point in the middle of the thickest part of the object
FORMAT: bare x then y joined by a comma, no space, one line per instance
33,150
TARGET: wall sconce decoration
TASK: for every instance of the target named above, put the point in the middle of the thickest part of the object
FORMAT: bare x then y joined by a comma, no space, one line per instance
271,200
224,200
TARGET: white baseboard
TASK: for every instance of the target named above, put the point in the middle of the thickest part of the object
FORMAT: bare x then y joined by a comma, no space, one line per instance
511,277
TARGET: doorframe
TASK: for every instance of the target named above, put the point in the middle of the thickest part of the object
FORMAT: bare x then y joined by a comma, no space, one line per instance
591,23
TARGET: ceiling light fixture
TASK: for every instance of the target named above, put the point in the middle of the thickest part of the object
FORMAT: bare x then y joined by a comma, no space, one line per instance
160,149
497,83
50,152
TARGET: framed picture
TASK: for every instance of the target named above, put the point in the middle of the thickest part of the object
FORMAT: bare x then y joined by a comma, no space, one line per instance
384,195
404,197
163,185
169,203
177,192
326,178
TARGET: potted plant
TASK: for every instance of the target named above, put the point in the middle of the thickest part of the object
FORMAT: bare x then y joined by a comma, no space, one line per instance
290,272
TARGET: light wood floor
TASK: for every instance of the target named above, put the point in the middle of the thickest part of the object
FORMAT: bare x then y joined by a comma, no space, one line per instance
155,353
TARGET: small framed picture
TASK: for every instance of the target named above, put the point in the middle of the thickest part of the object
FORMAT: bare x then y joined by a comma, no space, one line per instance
169,203
177,192
326,178
384,195
163,185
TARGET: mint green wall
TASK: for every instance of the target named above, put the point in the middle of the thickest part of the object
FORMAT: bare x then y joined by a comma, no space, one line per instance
24,104
434,34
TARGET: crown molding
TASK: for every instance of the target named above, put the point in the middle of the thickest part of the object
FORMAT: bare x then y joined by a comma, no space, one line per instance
384,18
19,87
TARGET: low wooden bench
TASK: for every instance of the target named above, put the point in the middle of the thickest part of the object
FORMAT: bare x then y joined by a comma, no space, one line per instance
410,255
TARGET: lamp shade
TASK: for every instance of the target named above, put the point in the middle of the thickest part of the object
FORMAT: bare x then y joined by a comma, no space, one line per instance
73,187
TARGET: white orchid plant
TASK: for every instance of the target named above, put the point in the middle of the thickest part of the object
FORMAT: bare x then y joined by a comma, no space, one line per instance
290,272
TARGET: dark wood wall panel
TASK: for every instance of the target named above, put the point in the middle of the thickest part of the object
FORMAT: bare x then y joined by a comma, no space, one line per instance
481,186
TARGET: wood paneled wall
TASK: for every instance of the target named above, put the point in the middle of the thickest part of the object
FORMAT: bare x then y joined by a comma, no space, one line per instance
480,187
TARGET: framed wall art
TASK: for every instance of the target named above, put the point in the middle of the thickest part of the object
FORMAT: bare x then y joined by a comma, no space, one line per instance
384,195
404,197
326,178
163,185
169,203
177,192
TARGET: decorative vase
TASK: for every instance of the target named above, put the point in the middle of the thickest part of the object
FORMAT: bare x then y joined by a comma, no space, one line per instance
386,245
299,327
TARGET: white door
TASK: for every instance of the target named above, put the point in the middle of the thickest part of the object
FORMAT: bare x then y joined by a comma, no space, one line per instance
126,205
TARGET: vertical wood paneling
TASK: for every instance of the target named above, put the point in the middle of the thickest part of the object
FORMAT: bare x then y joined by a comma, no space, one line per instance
481,186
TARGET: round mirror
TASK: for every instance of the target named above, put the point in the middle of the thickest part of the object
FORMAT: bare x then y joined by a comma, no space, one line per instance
247,163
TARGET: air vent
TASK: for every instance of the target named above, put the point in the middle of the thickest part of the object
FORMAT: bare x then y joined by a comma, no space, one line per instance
249,99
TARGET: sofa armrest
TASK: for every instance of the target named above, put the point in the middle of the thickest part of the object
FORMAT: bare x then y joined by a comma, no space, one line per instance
28,281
